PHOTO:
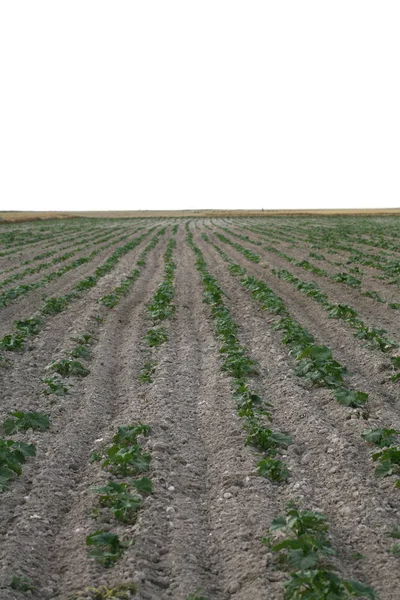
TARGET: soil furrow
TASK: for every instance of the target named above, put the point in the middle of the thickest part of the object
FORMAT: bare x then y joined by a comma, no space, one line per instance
45,545
329,462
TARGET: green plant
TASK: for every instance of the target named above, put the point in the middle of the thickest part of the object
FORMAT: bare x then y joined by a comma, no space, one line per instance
303,547
29,326
105,547
156,336
118,498
273,468
80,351
55,386
381,437
83,340
21,421
146,371
195,596
123,591
12,456
13,342
21,583
53,305
67,367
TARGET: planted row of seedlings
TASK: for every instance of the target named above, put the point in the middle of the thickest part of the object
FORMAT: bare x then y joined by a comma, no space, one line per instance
311,576
317,365
71,365
124,498
73,249
387,264
12,294
254,410
390,268
159,310
121,497
15,341
301,546
345,278
374,337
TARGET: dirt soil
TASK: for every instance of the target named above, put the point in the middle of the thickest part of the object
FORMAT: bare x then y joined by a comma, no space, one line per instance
202,526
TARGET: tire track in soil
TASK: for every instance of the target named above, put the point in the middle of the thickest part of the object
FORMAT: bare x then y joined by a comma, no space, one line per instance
43,537
20,383
369,370
329,462
192,536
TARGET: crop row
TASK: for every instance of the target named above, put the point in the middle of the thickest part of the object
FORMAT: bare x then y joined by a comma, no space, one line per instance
11,294
159,309
73,248
53,305
345,278
315,363
375,338
299,541
254,411
387,264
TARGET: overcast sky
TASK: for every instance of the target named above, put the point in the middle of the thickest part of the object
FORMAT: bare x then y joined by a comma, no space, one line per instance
199,104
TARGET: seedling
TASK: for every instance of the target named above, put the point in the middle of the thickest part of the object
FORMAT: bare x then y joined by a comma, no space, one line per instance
21,583
29,326
67,367
13,342
146,371
195,596
123,591
83,340
273,468
105,547
156,337
22,421
53,305
118,498
80,352
55,386
12,456
381,437
350,398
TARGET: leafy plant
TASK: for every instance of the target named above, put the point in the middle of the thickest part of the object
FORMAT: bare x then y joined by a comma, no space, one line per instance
55,386
146,371
123,591
22,421
118,498
105,547
156,336
80,351
67,367
53,305
12,456
21,583
13,342
29,326
381,437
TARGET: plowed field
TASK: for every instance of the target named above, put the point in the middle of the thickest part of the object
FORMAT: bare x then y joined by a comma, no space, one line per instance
170,387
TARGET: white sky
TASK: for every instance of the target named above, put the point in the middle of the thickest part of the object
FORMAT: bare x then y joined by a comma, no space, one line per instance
199,104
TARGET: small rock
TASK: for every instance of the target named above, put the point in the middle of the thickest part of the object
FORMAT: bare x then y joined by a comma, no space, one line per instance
171,488
227,495
233,587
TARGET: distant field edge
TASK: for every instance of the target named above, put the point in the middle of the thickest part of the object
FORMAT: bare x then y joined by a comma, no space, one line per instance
16,216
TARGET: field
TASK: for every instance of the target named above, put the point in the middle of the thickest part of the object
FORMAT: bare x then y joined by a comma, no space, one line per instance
200,408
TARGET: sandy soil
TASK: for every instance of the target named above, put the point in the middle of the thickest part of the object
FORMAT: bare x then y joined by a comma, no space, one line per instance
201,528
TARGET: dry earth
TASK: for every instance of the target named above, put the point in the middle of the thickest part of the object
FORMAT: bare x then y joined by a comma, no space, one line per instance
202,526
